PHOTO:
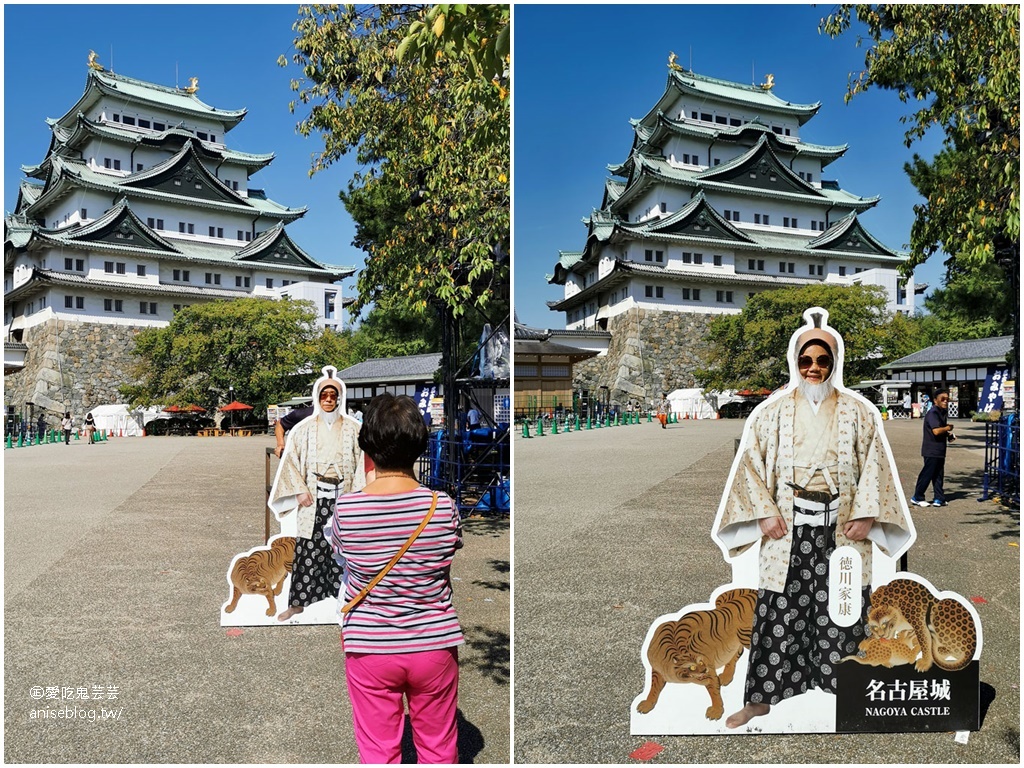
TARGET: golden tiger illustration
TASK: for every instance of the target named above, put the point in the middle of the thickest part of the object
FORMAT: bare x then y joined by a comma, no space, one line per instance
903,648
943,629
693,648
263,572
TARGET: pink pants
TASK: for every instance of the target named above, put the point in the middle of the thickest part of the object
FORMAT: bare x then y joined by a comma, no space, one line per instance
429,680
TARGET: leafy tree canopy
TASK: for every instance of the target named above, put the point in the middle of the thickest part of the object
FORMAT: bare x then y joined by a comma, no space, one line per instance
266,350
420,94
960,65
748,350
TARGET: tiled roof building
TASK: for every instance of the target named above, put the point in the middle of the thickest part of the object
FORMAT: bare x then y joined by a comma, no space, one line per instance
719,198
140,207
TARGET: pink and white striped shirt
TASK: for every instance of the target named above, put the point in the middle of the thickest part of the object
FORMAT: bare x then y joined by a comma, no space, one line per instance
411,608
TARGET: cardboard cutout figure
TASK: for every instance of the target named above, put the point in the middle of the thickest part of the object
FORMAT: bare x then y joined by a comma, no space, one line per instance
321,459
813,521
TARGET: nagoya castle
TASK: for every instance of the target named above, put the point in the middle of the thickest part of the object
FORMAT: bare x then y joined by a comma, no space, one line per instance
717,200
138,209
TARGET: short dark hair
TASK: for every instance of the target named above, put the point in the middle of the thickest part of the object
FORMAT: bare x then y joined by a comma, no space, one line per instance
393,434
940,391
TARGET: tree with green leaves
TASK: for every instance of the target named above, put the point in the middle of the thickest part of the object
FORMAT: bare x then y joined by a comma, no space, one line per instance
421,95
264,350
960,66
748,350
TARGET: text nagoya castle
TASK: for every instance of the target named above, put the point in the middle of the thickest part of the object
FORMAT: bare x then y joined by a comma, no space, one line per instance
138,209
718,199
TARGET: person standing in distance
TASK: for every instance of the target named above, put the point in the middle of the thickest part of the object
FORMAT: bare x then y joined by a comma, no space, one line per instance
936,433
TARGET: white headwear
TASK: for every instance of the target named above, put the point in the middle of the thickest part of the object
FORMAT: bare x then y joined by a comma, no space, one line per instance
816,329
329,377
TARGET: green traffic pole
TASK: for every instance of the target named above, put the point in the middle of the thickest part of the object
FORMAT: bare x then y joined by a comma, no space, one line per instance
540,427
526,428
9,443
554,426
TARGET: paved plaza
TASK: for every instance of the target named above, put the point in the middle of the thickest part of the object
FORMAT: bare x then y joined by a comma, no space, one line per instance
613,529
115,562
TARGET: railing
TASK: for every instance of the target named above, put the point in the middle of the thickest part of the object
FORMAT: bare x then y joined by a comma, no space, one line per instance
472,467
1002,461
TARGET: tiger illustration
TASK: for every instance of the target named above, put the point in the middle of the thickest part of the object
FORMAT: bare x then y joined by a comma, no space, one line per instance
693,648
263,572
943,629
903,648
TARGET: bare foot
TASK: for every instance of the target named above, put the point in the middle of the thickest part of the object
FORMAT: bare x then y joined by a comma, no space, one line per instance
751,710
295,609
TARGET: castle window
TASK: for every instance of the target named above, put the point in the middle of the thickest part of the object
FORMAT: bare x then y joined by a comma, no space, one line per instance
117,117
795,225
698,258
686,294
202,135
121,266
810,269
128,120
69,302
659,256
735,122
270,282
648,255
140,270
687,258
821,226
757,218
792,267
717,260
143,123
138,167
706,117
842,271
721,119
240,235
159,126
765,222
83,213
785,221
108,267
68,264
664,208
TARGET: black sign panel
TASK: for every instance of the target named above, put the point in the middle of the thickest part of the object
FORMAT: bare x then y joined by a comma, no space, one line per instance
902,700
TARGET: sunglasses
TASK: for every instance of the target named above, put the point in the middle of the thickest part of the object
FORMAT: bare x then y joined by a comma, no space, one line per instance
823,361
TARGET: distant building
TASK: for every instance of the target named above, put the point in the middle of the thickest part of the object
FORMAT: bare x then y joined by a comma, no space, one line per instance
543,372
138,209
966,368
718,199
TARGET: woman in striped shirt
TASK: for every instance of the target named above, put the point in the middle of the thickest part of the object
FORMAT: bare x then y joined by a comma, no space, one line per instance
401,638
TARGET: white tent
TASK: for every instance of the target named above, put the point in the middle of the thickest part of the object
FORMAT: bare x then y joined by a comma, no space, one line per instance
690,403
117,418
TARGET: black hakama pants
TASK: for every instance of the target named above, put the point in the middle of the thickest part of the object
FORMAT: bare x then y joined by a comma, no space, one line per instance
795,645
316,575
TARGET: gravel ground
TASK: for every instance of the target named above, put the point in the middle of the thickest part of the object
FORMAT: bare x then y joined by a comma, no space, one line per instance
115,562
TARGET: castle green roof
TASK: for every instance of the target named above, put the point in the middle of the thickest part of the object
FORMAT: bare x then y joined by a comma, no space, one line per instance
127,89
684,82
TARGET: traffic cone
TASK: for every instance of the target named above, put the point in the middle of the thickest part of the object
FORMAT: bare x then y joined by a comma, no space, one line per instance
568,425
21,440
589,424
526,428
540,427
554,426
9,443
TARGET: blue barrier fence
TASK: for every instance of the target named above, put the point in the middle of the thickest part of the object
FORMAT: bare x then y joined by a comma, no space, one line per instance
1002,461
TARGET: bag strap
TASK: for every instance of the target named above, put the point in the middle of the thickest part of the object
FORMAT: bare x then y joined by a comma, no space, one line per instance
398,556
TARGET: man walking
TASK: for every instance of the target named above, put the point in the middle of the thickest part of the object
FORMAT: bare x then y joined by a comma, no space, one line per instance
937,432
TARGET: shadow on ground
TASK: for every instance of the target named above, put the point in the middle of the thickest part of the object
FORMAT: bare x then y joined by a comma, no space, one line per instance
493,652
471,740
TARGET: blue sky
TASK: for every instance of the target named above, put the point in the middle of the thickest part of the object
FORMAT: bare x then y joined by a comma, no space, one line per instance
582,72
232,49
